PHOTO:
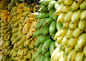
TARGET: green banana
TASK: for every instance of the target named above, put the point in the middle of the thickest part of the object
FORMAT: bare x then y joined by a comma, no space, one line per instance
51,5
46,2
39,23
46,59
41,39
35,55
42,15
52,47
52,27
38,57
46,45
83,5
43,8
47,21
40,49
46,30
58,26
51,14
47,54
38,32
41,58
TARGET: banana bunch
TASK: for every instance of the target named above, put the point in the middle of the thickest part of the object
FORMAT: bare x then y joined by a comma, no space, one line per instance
71,38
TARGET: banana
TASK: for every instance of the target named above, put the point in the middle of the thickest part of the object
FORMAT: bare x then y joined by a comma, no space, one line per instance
59,10
41,58
38,57
47,21
46,59
69,33
40,49
21,5
28,20
84,49
85,59
82,24
67,17
78,1
83,5
61,17
20,27
51,5
58,55
66,25
52,27
5,17
27,8
14,30
63,58
29,54
71,56
27,42
51,14
75,6
56,5
38,32
64,41
39,23
14,19
60,1
20,36
52,47
47,54
14,13
45,3
77,32
35,55
75,16
77,48
65,9
53,35
81,40
41,39
24,14
59,39
16,23
22,19
79,56
43,8
83,15
42,15
58,26
9,18
26,28
46,30
56,44
72,26
46,45
68,2
72,41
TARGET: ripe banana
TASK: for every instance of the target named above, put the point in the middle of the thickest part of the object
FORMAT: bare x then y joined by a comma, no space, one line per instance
83,15
84,49
83,5
68,2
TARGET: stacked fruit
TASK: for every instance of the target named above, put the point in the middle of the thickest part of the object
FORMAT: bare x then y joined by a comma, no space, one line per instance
71,39
5,33
46,24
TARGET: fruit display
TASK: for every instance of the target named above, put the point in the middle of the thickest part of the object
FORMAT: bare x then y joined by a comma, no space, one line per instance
71,39
47,26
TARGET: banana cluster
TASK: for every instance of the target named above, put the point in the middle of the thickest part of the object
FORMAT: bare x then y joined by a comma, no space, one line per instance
71,38
5,34
47,26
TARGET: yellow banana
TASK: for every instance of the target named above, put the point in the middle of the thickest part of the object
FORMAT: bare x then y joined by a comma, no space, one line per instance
79,1
61,1
16,23
27,42
84,50
15,30
28,20
68,2
79,56
65,9
20,27
59,39
83,15
67,17
14,9
61,17
71,56
26,28
65,25
5,17
21,5
26,8
24,14
9,18
63,58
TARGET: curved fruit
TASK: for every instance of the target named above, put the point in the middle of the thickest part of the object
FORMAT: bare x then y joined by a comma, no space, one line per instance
58,26
83,5
46,59
66,25
46,30
83,15
63,58
84,50
68,2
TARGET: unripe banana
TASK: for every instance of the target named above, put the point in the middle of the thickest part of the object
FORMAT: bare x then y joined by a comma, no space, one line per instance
75,17
61,17
74,6
79,56
71,56
77,32
67,17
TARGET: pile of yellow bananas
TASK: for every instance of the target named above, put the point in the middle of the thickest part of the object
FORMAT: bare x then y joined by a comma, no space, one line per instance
71,39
